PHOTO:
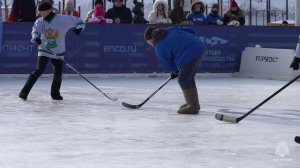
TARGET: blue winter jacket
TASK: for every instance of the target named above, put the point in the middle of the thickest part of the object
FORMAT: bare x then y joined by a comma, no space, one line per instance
212,20
179,46
197,19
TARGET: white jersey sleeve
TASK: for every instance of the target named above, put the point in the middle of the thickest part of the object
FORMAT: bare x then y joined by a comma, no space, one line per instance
37,29
298,49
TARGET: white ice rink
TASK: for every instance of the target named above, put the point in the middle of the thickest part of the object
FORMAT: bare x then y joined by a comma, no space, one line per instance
86,130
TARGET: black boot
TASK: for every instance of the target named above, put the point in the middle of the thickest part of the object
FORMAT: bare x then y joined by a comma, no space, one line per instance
297,139
55,87
28,85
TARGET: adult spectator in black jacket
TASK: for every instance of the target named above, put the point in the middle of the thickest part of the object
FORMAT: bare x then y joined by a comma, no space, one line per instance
234,16
119,13
138,13
22,11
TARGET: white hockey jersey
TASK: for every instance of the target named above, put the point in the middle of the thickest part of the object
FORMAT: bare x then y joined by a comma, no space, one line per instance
53,34
298,49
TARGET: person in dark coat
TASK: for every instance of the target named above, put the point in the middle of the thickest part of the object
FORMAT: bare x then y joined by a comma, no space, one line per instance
138,11
180,51
213,18
23,11
119,13
234,16
177,14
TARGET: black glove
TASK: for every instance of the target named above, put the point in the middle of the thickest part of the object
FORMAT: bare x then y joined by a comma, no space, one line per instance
295,63
38,41
173,76
77,31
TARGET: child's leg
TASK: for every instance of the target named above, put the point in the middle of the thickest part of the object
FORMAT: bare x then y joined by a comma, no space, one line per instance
186,80
56,83
33,77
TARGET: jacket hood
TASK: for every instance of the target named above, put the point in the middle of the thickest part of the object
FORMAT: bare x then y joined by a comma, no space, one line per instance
137,8
176,4
195,2
157,2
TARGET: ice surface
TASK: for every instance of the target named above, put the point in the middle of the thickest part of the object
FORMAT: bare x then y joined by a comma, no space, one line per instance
86,130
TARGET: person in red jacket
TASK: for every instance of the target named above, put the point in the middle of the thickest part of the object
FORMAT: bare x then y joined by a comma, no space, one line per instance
70,9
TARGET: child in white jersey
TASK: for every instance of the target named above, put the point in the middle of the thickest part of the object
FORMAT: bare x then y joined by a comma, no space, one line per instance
49,33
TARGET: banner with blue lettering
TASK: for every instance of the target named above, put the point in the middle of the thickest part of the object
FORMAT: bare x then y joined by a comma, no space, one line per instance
122,49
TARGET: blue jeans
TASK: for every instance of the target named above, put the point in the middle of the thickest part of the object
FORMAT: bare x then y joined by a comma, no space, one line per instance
186,76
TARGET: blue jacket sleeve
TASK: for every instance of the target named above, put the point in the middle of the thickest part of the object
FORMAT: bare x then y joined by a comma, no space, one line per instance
189,30
166,60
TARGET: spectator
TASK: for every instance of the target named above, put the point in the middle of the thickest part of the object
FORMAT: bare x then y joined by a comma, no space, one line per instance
197,13
55,10
177,14
213,18
98,16
234,16
22,11
285,23
97,3
159,13
138,12
119,13
1,19
70,9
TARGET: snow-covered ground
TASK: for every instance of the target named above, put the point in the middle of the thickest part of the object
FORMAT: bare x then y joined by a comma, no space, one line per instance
86,130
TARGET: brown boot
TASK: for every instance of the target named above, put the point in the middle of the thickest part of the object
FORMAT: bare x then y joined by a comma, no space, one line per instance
192,102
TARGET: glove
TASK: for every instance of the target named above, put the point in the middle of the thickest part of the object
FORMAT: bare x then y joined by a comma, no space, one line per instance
77,31
37,41
173,76
295,63
219,22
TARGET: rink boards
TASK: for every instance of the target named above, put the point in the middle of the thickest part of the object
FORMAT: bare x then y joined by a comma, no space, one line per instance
121,48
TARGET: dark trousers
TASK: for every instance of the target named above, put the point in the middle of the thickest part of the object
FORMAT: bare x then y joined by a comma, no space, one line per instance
186,76
42,64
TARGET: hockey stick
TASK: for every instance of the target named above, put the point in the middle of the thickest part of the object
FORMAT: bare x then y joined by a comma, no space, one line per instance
70,66
140,105
235,120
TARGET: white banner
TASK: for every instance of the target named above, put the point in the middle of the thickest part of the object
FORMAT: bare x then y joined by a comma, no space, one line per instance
267,63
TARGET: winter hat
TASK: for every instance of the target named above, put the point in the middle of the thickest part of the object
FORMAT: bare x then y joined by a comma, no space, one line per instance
148,32
44,6
99,11
195,2
215,5
233,4
137,4
98,2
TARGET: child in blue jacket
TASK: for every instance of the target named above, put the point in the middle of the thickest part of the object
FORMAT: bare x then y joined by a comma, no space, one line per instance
213,18
197,13
180,51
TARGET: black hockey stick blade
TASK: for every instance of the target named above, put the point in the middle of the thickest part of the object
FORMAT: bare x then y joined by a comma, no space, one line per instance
297,139
131,106
229,119
148,98
226,118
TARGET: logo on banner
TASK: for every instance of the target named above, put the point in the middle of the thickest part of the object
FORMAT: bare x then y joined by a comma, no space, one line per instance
213,41
266,59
